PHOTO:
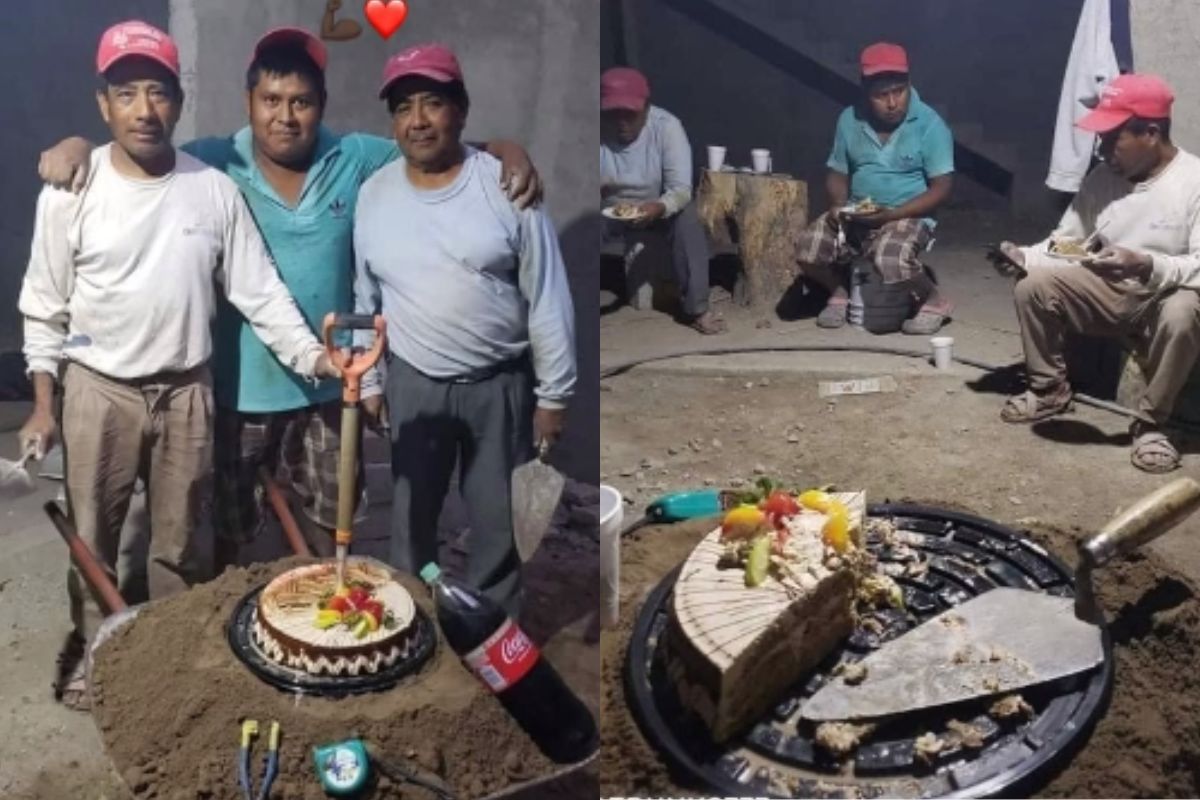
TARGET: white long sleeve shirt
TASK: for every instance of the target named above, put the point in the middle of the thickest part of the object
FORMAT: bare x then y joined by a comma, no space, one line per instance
123,277
1160,217
1091,65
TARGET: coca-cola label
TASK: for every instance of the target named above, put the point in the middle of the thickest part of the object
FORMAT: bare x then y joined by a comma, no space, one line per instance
504,658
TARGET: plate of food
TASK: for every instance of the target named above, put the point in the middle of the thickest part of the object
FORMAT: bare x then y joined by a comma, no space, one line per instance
624,212
864,206
1069,249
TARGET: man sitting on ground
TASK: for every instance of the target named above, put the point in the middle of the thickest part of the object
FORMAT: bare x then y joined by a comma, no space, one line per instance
646,162
897,153
1142,206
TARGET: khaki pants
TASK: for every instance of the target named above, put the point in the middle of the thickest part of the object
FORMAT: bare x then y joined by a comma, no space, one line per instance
115,431
1164,328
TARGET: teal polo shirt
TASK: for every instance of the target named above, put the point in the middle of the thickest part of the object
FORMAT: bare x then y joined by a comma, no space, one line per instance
891,174
313,248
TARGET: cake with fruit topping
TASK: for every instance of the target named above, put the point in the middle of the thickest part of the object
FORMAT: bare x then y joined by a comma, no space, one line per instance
306,622
761,601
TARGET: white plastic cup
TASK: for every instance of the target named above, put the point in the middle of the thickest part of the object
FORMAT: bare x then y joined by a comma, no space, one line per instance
716,157
943,351
761,159
612,513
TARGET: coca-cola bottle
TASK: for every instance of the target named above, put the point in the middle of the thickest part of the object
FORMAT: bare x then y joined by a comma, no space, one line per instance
504,659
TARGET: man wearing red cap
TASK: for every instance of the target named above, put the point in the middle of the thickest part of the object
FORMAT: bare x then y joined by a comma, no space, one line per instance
479,317
646,161
121,288
1138,216
896,152
301,181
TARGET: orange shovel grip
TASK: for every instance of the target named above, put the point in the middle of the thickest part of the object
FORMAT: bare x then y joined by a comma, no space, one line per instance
353,365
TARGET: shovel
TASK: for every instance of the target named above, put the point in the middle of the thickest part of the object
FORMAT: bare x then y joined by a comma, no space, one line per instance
1004,639
536,491
353,366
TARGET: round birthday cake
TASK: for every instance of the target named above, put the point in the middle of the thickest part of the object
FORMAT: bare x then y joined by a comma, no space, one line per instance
307,622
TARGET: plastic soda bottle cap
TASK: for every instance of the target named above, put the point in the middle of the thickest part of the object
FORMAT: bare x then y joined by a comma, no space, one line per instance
430,572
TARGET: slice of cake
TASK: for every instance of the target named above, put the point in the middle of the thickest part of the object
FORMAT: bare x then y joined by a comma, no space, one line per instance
737,638
295,624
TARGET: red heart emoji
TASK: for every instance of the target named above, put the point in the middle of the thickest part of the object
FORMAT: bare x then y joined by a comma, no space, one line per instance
387,18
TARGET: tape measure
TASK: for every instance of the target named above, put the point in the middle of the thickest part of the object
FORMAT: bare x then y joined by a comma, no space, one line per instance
343,767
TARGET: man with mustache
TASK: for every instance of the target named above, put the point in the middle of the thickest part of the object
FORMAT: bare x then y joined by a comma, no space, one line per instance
300,180
479,318
1142,207
895,150
120,292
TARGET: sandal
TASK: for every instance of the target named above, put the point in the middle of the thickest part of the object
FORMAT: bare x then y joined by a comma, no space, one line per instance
834,313
73,692
928,321
1153,451
1030,407
708,324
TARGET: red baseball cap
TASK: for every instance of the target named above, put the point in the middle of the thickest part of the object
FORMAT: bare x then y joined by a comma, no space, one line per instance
294,36
1127,96
434,61
136,38
883,57
624,88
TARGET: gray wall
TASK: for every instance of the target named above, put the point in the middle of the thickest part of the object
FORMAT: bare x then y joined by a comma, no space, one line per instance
1166,41
993,68
48,60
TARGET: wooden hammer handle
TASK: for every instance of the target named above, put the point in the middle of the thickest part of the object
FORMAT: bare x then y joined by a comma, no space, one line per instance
85,560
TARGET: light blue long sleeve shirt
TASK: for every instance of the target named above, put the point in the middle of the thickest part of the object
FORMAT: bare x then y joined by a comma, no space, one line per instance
464,279
657,165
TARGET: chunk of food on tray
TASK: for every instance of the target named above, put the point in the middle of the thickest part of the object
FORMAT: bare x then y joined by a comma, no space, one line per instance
1068,247
626,211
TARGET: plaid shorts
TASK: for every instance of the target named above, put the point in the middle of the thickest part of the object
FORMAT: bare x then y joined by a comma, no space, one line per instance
895,248
300,449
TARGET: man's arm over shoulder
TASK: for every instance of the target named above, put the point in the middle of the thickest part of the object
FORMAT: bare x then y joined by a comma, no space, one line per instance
252,284
49,280
215,151
543,282
371,152
367,294
676,161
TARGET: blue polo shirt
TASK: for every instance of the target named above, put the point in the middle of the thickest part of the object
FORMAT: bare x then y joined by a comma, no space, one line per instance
891,174
313,248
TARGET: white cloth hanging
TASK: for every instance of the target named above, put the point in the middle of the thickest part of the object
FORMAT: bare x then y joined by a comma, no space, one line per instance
1092,64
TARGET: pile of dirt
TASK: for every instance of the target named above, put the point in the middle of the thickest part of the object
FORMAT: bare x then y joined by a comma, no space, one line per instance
1146,745
170,696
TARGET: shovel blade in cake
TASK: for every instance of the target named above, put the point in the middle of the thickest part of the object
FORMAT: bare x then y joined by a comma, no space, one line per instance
999,642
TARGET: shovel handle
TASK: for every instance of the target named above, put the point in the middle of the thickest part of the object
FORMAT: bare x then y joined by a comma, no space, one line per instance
354,365
86,561
1144,521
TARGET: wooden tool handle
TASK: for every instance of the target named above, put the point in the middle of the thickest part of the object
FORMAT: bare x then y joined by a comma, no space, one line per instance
1144,521
89,567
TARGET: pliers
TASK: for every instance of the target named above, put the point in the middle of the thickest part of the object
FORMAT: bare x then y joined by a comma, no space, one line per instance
271,762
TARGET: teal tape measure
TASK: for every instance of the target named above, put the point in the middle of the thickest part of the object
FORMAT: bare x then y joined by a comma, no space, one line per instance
343,767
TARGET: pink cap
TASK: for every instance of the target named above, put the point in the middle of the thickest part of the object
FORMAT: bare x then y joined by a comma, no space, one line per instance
434,61
296,36
883,57
623,88
136,38
1127,96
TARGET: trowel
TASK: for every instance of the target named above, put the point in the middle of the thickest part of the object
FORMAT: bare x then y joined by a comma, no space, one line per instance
536,491
15,480
1005,639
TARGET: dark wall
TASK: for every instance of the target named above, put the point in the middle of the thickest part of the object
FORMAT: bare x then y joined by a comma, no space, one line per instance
47,58
771,73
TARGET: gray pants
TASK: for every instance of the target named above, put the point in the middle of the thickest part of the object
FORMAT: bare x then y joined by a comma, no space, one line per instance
486,427
1166,329
684,234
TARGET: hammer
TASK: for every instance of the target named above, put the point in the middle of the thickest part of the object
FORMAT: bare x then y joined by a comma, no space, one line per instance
1144,521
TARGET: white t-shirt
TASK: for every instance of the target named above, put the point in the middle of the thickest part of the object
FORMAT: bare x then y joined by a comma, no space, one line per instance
1160,217
123,277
